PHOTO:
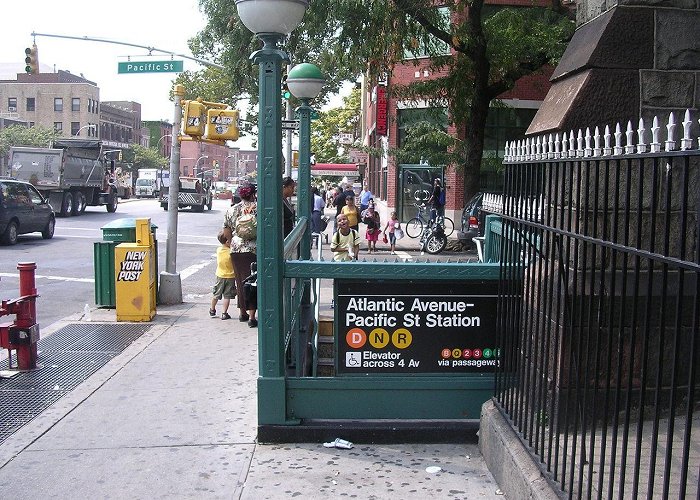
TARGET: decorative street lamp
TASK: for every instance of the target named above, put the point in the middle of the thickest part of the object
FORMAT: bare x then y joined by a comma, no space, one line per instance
271,21
305,82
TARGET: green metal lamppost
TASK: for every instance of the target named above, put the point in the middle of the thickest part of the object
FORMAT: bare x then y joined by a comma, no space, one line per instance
271,21
305,82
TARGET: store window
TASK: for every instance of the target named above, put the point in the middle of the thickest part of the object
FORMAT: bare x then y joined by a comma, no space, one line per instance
409,117
424,44
502,125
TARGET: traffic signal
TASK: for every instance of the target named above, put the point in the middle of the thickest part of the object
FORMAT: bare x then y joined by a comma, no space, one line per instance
31,60
193,119
286,94
222,124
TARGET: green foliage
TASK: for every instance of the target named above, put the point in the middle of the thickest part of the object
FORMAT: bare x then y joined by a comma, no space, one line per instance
17,135
324,131
490,48
140,157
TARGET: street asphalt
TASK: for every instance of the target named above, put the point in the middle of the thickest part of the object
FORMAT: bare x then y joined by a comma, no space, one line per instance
174,415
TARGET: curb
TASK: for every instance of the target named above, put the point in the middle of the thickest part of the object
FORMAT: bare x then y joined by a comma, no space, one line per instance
510,463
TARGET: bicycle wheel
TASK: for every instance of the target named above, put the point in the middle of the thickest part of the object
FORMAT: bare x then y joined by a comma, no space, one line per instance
448,225
414,227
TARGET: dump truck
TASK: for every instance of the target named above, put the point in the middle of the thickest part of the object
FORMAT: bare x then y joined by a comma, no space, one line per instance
195,192
72,174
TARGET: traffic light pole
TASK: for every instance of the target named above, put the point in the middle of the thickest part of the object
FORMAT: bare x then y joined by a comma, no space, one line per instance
170,289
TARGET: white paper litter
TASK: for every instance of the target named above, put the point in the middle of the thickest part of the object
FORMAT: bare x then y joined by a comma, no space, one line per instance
433,469
339,443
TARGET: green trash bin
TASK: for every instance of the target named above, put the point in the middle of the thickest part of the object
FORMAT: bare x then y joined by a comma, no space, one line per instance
116,232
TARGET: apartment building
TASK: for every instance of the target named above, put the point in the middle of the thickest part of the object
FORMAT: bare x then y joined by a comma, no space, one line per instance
63,101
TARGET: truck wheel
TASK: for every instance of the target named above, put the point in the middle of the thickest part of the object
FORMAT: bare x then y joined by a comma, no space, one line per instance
67,205
113,202
78,203
9,237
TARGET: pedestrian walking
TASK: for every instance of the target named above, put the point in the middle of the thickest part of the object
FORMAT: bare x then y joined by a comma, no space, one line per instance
238,223
370,217
352,213
225,287
392,225
345,243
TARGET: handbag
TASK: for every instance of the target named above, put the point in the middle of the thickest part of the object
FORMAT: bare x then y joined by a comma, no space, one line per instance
385,239
398,232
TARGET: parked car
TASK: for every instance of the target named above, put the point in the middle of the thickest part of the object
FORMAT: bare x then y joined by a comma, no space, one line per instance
472,224
23,210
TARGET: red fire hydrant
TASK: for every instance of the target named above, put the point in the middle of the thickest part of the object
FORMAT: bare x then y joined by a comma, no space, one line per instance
22,334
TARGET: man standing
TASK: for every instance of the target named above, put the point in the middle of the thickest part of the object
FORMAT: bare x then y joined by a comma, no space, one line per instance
365,196
437,199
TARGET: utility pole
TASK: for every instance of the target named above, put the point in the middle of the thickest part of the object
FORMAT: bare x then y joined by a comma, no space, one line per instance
290,116
170,290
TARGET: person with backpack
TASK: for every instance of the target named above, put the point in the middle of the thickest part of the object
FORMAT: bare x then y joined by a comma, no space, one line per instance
240,226
345,244
437,200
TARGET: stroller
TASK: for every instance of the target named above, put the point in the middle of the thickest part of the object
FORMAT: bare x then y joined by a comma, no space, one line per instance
250,288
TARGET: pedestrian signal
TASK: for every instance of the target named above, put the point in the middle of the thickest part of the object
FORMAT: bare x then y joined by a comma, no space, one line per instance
194,118
222,124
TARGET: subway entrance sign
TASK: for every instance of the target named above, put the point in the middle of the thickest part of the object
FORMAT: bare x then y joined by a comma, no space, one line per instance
405,327
132,67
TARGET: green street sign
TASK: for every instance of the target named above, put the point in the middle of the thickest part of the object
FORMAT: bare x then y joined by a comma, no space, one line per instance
131,67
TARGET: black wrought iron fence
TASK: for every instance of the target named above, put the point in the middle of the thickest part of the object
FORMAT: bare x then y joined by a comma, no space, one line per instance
600,315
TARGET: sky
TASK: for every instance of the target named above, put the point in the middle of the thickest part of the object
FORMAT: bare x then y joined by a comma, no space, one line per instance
153,23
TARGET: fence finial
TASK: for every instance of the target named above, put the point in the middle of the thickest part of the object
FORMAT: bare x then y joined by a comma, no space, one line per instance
572,145
596,142
655,142
617,150
579,144
686,142
670,129
588,151
550,146
641,147
538,148
629,148
557,146
607,150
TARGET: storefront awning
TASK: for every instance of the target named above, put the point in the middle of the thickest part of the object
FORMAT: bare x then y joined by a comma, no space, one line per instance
336,169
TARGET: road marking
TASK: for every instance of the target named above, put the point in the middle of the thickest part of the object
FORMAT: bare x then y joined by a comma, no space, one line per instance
56,278
404,255
189,271
213,243
184,274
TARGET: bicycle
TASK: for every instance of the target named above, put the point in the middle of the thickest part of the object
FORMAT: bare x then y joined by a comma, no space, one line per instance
415,226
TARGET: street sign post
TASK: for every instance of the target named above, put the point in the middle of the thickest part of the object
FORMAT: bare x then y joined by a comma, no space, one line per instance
290,124
133,67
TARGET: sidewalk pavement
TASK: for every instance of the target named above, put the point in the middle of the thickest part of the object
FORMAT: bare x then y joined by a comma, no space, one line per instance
175,416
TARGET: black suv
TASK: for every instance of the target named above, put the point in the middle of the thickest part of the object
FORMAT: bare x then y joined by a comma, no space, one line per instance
472,225
23,210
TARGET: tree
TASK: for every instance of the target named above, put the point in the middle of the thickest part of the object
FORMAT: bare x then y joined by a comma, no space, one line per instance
141,157
325,143
477,52
18,135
